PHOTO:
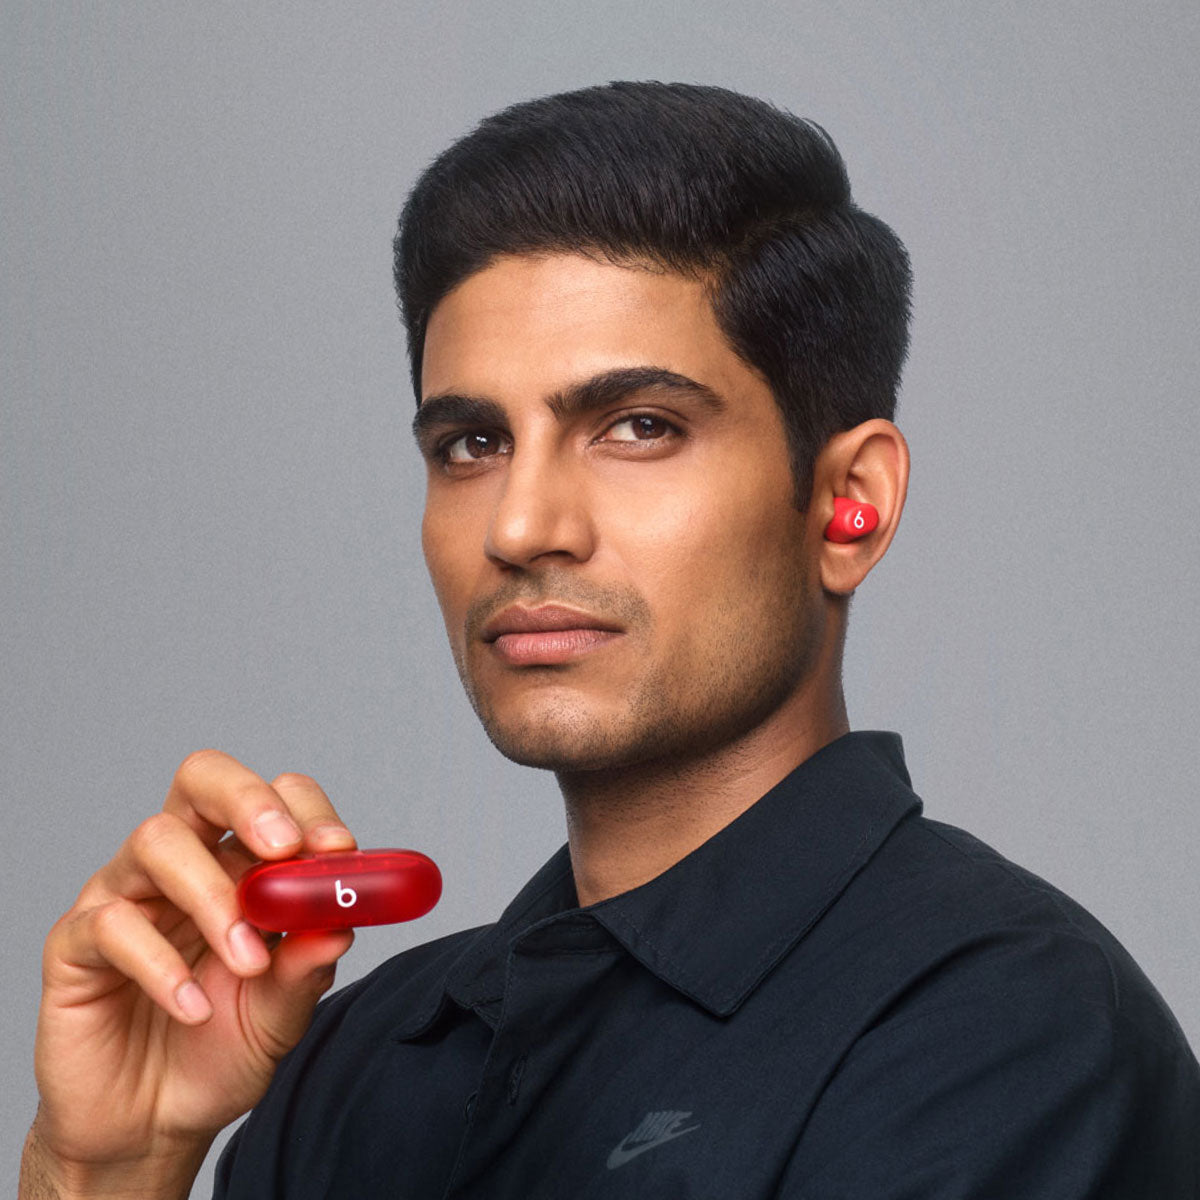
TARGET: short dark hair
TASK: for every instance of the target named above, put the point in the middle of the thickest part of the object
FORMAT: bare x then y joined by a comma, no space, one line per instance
810,290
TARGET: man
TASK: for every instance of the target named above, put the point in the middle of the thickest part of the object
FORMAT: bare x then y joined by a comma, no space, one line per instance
656,350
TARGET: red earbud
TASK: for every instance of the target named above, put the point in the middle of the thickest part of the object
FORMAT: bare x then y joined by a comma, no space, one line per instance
851,519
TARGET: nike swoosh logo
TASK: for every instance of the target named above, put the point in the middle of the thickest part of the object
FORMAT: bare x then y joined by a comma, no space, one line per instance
621,1155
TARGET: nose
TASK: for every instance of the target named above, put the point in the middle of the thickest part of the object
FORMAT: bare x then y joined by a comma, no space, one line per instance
542,509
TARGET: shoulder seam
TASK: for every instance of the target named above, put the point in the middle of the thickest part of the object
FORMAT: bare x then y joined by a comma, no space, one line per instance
1025,880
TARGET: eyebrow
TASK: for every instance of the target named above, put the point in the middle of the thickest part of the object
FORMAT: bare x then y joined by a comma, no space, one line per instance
575,400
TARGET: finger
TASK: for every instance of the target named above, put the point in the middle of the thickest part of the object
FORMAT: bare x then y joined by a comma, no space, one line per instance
234,858
120,936
318,820
300,954
302,970
213,792
165,857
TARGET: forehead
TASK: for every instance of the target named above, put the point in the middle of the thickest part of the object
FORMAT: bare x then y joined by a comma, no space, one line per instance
533,320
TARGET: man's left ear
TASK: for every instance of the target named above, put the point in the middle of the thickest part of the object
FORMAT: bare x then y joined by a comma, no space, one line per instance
860,482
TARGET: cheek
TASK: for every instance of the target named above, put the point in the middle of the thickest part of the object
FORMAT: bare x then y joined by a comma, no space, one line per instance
694,550
439,544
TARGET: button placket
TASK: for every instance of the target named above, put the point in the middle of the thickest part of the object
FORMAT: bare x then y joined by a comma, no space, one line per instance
538,967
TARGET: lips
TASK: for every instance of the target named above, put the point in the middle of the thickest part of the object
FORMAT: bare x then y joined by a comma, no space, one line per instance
549,618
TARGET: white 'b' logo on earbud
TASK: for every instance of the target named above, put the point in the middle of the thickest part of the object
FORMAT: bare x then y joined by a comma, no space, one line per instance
347,897
858,521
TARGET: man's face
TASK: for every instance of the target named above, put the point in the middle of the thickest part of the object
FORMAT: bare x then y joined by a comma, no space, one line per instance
641,504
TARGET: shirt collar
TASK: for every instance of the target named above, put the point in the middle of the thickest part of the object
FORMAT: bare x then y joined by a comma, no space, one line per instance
755,888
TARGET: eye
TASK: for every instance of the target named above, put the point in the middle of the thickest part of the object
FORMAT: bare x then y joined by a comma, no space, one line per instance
474,445
478,445
642,424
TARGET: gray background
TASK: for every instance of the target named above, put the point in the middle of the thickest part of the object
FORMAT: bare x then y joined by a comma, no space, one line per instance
211,503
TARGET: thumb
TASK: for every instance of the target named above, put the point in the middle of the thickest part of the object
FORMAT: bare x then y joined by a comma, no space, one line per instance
303,967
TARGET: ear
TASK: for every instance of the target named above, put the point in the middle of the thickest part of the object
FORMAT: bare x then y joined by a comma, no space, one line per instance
868,463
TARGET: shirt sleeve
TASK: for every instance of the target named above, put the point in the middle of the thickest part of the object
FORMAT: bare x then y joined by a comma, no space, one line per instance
1042,1076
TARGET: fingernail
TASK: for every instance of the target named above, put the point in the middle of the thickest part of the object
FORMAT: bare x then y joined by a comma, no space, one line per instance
192,1001
247,945
331,833
276,829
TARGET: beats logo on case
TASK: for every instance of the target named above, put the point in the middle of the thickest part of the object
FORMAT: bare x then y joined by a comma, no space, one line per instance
851,519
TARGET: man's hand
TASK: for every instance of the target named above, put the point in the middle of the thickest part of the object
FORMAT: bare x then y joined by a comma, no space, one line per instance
163,1012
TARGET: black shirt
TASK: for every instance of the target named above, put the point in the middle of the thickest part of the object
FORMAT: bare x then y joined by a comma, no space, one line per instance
833,997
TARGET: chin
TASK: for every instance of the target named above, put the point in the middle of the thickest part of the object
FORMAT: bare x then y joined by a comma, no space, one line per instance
563,742
556,749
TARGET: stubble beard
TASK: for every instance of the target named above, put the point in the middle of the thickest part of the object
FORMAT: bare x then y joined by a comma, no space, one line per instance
679,714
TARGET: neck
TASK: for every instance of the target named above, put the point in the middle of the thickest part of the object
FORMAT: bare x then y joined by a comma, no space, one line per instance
628,824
